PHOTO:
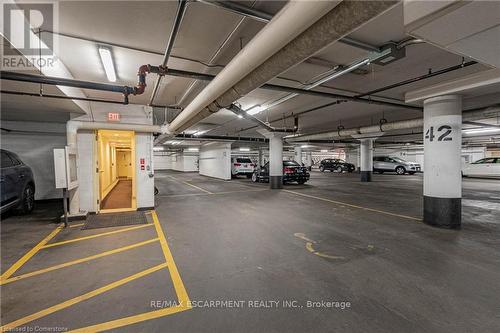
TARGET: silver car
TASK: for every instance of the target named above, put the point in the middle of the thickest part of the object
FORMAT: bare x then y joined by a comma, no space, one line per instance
383,164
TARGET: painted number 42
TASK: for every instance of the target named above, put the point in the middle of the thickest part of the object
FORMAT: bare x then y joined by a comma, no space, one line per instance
443,130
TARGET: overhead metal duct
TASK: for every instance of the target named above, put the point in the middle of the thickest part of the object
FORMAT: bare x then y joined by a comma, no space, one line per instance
226,88
277,35
480,113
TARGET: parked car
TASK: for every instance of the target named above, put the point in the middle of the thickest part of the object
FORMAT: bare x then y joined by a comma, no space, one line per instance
334,164
383,164
17,184
486,167
292,172
242,166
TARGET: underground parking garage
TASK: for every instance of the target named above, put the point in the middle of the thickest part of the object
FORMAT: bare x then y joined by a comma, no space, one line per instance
250,166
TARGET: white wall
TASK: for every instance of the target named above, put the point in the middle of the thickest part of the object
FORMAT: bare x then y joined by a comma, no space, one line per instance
144,182
87,178
36,150
215,160
191,162
185,162
131,114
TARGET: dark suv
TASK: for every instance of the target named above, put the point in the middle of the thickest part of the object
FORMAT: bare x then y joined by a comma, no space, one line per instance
292,172
334,164
18,186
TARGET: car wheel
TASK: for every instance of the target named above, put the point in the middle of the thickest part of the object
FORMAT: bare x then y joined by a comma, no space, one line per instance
400,170
254,177
249,176
411,172
28,201
338,169
301,182
380,172
321,168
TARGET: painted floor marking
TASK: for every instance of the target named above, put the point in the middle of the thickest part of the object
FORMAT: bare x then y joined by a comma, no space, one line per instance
183,298
189,184
30,254
77,261
180,290
354,206
95,236
78,299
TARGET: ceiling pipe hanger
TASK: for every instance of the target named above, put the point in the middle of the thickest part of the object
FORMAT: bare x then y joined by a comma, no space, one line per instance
264,17
181,10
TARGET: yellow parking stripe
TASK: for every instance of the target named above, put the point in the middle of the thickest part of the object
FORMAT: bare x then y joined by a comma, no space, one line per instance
97,235
77,261
180,290
189,184
30,254
76,225
183,298
354,206
130,320
80,298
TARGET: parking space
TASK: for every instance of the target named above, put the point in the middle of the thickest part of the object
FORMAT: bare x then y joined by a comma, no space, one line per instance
88,280
198,166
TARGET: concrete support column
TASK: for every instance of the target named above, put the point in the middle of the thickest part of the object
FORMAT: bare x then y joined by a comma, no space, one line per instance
297,157
442,161
309,161
366,149
261,158
276,161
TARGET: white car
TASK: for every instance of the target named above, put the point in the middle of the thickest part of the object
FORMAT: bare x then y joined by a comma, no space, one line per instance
486,167
242,166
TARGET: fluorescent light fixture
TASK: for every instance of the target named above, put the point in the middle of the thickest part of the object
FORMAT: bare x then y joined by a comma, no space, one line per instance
244,149
192,149
324,150
172,142
157,148
481,130
107,62
200,133
336,74
304,146
255,109
240,116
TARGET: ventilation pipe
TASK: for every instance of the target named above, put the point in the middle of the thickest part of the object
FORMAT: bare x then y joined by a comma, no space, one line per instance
481,113
291,21
276,49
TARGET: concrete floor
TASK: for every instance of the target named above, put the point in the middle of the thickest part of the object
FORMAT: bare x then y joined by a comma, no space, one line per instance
332,239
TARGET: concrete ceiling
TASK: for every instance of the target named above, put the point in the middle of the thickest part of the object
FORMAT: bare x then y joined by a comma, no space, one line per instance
146,25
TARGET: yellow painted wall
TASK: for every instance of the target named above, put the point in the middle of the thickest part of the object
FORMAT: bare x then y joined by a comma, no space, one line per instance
107,165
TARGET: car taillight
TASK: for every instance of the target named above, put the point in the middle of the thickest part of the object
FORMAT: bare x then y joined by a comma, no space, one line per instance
236,164
288,170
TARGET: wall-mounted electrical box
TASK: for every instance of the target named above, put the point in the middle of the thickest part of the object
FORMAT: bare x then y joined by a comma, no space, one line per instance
66,168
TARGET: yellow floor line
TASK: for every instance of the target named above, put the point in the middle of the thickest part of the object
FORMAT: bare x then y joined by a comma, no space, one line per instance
189,184
199,188
77,261
80,298
95,236
76,225
180,290
354,206
310,248
130,320
201,194
12,269
183,298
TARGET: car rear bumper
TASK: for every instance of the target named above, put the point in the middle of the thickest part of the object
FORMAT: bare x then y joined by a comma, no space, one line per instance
295,178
